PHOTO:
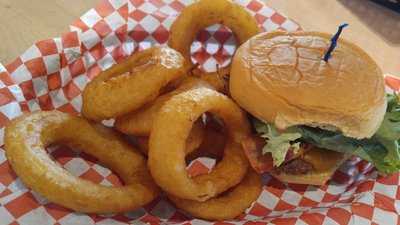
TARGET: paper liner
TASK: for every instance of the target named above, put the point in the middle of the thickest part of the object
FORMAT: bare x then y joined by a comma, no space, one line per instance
52,74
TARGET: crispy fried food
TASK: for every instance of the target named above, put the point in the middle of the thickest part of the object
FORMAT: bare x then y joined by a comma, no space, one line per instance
219,79
228,205
166,159
193,142
139,123
253,146
27,137
213,144
204,13
129,85
142,144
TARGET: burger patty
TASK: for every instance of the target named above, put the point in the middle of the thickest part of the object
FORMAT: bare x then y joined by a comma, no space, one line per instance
296,167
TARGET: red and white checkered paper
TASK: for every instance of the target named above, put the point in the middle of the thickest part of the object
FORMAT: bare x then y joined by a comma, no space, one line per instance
52,74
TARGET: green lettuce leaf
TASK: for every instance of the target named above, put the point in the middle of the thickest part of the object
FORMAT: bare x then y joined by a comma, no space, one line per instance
368,149
383,149
388,133
278,144
390,127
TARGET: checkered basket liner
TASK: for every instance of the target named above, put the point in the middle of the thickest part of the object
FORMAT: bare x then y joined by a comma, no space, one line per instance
52,74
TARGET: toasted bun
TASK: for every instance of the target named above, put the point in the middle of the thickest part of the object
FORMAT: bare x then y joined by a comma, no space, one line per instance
325,164
280,78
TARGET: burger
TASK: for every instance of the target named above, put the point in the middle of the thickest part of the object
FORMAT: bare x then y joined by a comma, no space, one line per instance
310,115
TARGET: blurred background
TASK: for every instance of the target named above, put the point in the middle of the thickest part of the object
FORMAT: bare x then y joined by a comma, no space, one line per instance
373,27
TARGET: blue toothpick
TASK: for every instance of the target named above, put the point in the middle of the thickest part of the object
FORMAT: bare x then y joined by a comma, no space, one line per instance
334,42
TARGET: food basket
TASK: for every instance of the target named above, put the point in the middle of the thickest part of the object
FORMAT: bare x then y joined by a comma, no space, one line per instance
52,73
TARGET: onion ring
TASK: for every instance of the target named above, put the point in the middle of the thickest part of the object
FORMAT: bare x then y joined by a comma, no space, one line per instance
204,13
194,140
139,123
227,206
214,141
27,137
218,80
166,159
127,86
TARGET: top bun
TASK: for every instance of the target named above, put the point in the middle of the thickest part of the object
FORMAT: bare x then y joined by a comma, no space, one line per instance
281,78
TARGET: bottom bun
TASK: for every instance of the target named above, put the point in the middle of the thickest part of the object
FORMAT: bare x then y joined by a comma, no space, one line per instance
313,178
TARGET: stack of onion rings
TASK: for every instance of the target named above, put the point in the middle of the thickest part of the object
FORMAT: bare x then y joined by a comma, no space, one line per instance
218,80
168,113
213,143
229,205
129,85
193,142
140,122
166,158
27,137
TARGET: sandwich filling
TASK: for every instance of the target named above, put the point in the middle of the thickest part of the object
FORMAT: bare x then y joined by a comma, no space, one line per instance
293,150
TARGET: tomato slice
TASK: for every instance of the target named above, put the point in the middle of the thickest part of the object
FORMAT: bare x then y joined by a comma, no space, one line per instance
262,163
252,147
